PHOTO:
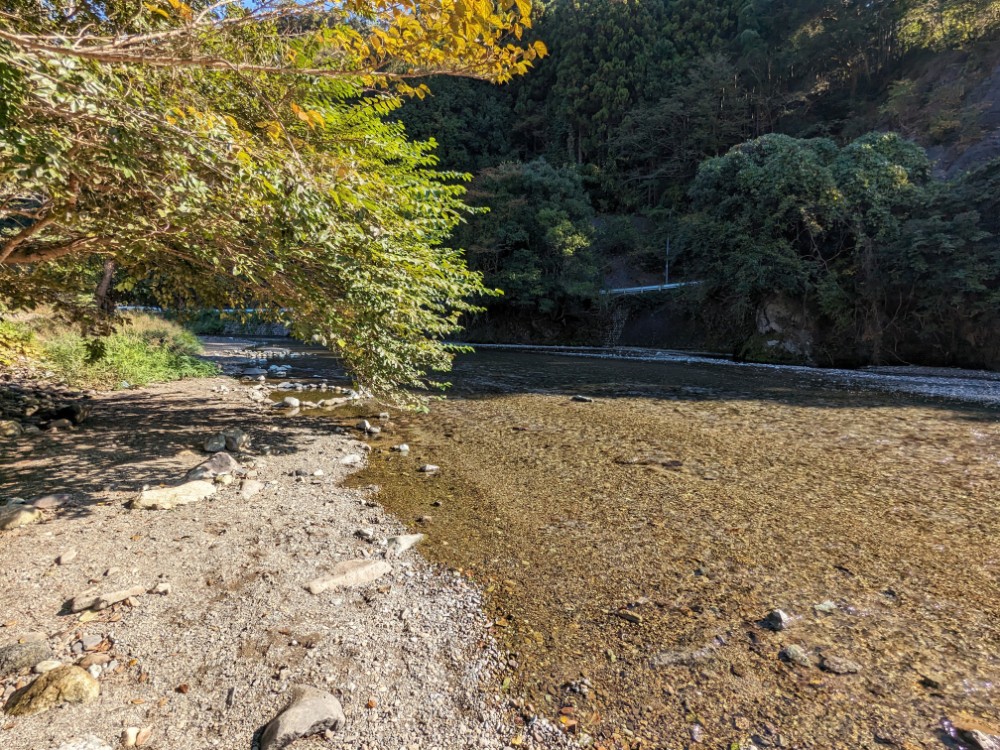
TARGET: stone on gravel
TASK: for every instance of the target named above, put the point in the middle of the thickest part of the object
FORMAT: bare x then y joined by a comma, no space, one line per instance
11,517
837,665
351,459
582,399
46,666
401,448
249,488
350,574
67,557
236,439
981,740
63,685
796,655
777,620
215,443
165,498
309,711
399,544
52,502
90,600
290,402
429,468
220,463
10,428
90,742
22,655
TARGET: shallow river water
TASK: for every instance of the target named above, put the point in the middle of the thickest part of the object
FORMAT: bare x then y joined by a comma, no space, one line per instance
631,546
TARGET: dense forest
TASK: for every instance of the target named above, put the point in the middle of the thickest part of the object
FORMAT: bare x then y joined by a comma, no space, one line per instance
822,168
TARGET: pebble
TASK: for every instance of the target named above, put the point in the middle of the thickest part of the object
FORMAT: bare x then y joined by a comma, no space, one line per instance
290,402
215,443
66,557
796,655
583,399
90,742
46,666
837,665
429,468
777,620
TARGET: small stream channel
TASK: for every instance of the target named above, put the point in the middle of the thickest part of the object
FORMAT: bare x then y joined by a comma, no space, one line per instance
632,545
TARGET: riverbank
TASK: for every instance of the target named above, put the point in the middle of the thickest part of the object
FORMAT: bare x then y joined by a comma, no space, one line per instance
218,625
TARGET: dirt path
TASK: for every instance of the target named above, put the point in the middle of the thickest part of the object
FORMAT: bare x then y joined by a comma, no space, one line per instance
210,663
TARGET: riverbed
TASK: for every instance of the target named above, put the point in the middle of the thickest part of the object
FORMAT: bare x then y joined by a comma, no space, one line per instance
631,546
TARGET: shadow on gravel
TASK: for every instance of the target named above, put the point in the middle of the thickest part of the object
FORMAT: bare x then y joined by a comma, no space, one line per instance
134,438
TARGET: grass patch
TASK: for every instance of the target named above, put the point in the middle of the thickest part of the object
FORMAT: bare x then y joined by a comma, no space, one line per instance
143,350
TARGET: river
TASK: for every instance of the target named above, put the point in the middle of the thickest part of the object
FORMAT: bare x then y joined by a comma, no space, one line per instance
632,546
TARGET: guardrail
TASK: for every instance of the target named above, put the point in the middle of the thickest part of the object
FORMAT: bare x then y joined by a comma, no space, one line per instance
653,288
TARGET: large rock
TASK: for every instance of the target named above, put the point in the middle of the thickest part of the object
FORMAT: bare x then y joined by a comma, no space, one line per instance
350,574
63,685
309,711
22,655
165,498
18,515
220,463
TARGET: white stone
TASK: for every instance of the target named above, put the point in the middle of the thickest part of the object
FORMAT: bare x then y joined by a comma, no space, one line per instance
350,574
165,498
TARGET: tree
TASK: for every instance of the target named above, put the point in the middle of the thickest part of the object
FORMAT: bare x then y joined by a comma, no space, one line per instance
535,242
883,262
240,157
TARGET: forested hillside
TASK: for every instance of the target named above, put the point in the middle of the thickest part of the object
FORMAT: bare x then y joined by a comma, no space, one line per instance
849,249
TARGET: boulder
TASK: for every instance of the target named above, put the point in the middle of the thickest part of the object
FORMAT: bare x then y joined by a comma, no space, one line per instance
165,498
309,711
63,685
13,516
350,574
21,656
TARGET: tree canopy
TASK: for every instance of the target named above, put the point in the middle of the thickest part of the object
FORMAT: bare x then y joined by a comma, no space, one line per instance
241,156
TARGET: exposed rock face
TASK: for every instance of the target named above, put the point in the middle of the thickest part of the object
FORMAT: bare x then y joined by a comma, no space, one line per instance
785,328
165,498
309,711
63,685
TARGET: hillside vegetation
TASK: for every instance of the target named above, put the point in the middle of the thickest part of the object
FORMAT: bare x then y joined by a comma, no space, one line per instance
754,135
